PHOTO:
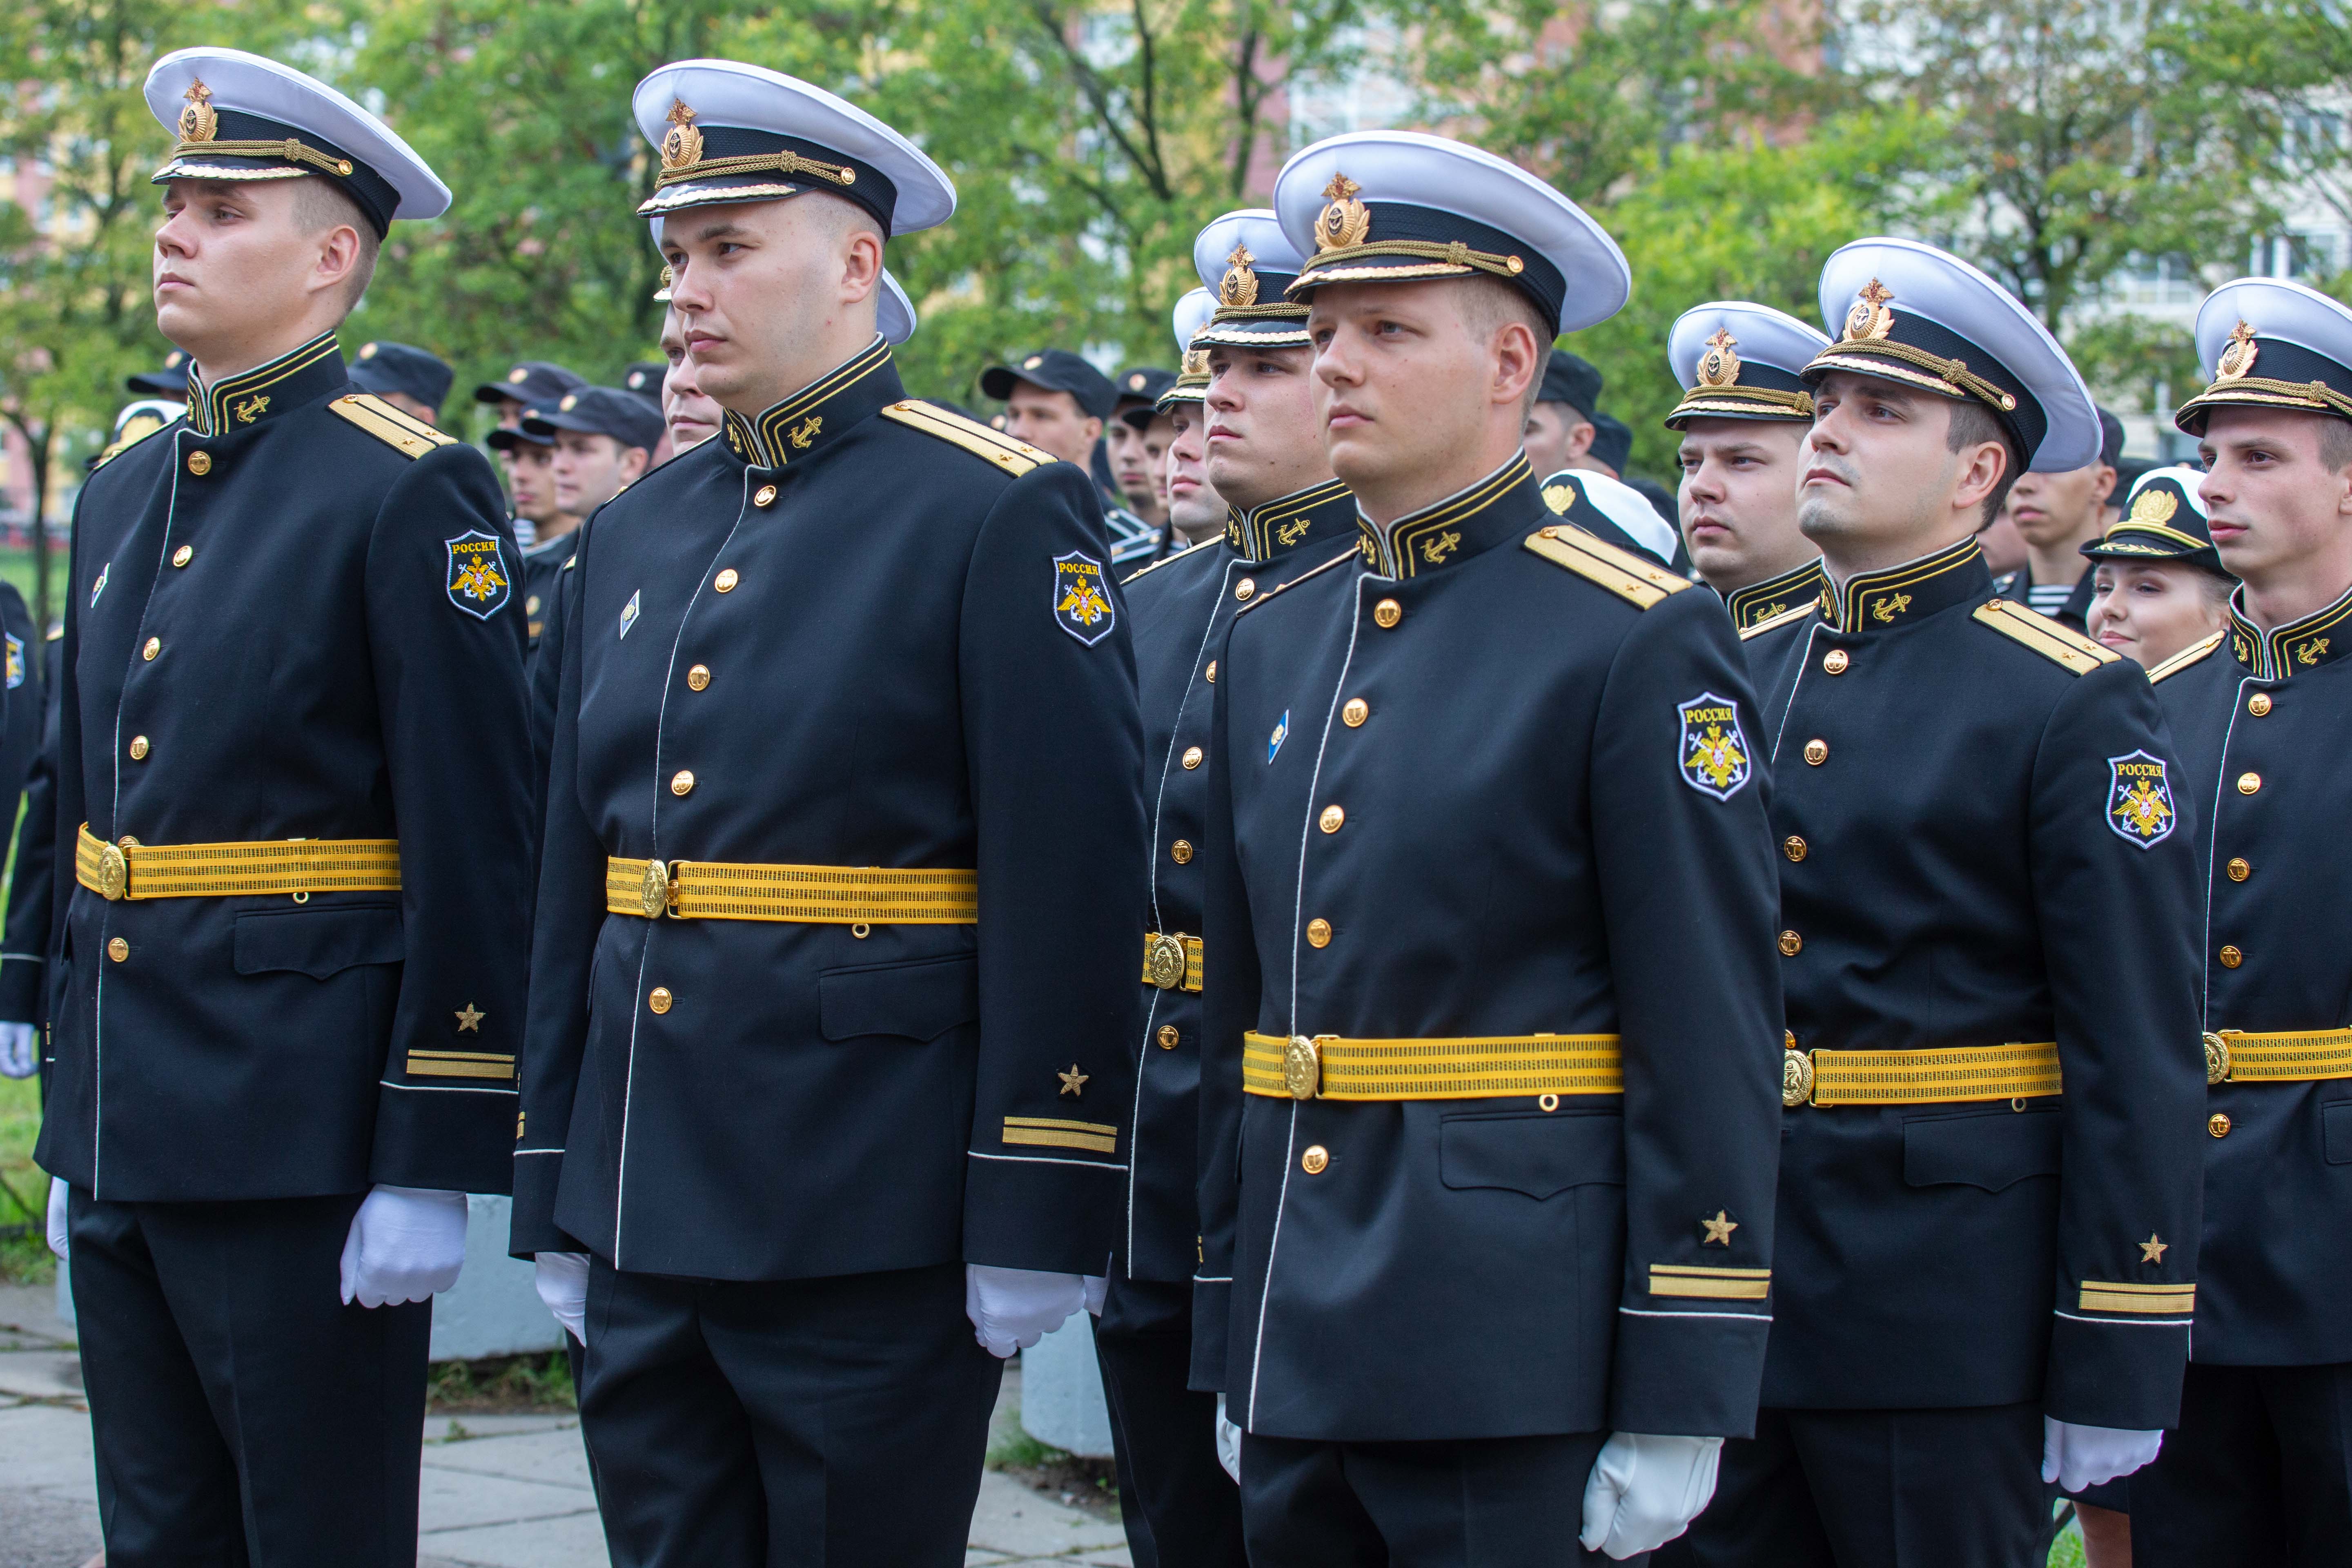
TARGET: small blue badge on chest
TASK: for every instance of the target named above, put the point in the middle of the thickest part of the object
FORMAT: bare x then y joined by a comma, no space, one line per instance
478,575
1715,751
1281,733
1082,605
629,612
16,662
2139,799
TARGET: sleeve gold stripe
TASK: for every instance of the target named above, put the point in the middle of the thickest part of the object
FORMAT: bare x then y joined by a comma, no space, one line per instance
1015,457
389,425
2078,655
460,1064
2194,653
1627,575
1045,1132
1710,1284
1782,619
2143,1301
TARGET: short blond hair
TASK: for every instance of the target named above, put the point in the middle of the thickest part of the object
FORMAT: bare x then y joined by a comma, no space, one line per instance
320,204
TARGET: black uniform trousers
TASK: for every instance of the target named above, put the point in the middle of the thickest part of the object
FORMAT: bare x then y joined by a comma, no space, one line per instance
1877,1489
832,1423
242,1413
2259,1474
1180,1509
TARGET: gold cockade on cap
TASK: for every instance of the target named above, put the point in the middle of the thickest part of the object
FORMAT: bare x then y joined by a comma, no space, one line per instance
2154,506
1719,366
2237,358
199,122
1345,220
1239,284
681,147
1870,317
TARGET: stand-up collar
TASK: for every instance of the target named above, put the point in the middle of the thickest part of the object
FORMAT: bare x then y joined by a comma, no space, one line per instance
1505,505
821,412
1879,601
264,391
1284,524
2321,638
1760,602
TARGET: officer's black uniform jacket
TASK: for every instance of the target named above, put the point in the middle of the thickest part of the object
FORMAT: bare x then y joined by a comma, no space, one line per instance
2264,721
2074,614
24,968
891,682
313,666
1180,609
1952,875
541,564
1522,852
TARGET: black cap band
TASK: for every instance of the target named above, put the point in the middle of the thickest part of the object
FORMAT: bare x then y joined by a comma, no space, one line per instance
1916,351
252,146
1404,242
738,164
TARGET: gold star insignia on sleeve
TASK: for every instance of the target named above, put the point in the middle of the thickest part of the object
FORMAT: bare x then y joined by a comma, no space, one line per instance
2152,1250
1719,1229
470,1019
1074,1082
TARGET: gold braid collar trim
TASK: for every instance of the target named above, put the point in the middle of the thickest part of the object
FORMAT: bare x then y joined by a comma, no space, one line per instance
290,149
784,163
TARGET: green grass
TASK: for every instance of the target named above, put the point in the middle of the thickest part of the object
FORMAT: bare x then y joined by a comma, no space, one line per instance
23,1259
512,1382
2067,1552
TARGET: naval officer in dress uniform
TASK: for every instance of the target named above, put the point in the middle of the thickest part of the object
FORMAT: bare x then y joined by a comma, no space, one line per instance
2256,1471
1743,418
1988,1200
1488,1125
833,996
1285,515
292,772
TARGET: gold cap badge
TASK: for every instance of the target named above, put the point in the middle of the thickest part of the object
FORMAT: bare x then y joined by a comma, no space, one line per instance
681,148
2237,358
569,398
367,351
2155,507
1239,284
518,375
198,123
1196,362
1719,366
1870,317
1345,220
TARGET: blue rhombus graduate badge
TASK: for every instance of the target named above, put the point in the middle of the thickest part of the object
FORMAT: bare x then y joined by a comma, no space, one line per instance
1082,605
1715,750
2139,799
478,575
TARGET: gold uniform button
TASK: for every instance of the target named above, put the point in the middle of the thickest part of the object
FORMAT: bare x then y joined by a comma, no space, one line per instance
2259,703
1192,757
2230,956
725,581
118,949
764,496
1835,661
1791,944
2248,782
1388,612
200,463
1354,714
1316,1161
1245,590
139,747
1168,1036
660,999
183,555
699,678
2239,868
682,782
1212,672
1817,751
1180,852
1319,932
1793,847
154,646
2218,1124
1332,820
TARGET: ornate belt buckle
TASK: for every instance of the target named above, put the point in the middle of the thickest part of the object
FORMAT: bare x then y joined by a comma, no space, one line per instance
2217,1056
113,874
1165,961
1302,1068
1796,1073
653,893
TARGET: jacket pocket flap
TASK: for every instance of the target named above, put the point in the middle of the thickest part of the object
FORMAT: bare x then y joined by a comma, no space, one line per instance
2335,1131
1538,1155
319,942
917,1001
1992,1151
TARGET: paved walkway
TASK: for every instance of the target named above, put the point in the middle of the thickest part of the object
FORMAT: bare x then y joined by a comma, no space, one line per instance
500,1491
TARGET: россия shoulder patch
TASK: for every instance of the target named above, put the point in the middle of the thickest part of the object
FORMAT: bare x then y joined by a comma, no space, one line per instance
1082,605
477,582
1714,748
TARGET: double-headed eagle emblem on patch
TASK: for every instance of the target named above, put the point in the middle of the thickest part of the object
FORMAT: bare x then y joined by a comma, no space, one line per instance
1714,755
1082,605
2139,800
477,582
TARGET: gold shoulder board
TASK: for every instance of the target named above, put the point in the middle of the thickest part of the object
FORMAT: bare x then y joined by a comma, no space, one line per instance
409,438
1147,570
1772,623
1633,578
1343,558
2194,653
1015,457
131,439
2068,649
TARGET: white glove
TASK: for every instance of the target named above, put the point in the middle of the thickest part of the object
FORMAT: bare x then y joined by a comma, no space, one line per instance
20,1050
1645,1491
406,1244
58,1230
2078,1457
1097,1287
1013,1308
561,1279
1229,1443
